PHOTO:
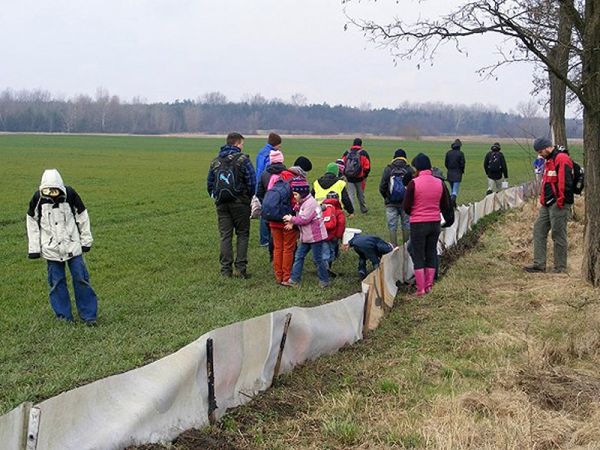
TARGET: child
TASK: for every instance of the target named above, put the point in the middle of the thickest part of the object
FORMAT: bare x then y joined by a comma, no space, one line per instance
58,228
335,224
309,219
367,247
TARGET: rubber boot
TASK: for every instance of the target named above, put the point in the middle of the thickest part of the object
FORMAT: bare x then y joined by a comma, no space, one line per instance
405,235
420,282
394,238
429,277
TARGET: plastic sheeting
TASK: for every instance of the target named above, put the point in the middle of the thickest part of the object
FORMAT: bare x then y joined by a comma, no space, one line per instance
157,402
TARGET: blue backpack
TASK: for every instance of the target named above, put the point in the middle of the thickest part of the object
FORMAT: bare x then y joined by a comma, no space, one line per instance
277,202
397,188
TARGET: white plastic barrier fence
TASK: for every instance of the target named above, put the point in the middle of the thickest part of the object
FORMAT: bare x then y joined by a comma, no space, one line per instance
157,402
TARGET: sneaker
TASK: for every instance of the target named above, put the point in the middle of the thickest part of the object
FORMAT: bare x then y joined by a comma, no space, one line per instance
323,284
289,283
90,323
534,269
227,274
245,275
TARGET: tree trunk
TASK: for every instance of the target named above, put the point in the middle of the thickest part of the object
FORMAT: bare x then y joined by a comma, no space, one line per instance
559,55
590,77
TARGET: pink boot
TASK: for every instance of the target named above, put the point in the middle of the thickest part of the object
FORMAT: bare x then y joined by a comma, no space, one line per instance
429,277
420,282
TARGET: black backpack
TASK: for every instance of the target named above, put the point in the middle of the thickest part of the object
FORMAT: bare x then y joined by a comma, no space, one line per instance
495,163
353,168
228,178
578,178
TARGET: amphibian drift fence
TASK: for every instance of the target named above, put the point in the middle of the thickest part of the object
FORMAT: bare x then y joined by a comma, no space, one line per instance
223,368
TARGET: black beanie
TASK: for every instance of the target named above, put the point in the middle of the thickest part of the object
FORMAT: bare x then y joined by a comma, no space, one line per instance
456,144
357,141
421,162
495,147
304,163
399,153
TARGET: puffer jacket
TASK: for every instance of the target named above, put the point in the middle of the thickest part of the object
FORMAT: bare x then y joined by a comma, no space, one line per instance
309,218
58,228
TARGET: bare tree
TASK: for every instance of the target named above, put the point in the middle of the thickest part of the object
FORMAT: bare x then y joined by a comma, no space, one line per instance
536,33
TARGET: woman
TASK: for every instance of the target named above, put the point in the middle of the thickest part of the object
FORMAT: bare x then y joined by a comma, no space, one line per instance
425,200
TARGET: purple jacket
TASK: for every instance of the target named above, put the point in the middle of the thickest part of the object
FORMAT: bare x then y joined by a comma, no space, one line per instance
310,221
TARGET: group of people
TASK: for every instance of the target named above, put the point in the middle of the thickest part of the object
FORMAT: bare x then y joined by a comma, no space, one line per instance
297,218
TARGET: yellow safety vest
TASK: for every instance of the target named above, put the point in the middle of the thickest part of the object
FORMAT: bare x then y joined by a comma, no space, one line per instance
321,194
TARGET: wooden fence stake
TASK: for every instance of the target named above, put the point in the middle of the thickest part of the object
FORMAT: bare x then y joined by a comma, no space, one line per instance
210,374
286,326
33,428
366,314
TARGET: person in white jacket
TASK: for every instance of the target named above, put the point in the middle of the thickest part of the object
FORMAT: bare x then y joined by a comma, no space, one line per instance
58,228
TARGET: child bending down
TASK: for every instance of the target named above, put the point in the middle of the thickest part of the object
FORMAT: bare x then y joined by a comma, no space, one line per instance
309,220
367,247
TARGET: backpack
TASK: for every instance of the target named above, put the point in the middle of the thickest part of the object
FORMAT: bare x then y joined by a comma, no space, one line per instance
397,188
353,168
277,202
329,217
495,163
228,175
578,178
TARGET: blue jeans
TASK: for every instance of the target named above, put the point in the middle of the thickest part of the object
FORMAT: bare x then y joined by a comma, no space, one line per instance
455,185
85,297
318,251
264,233
333,251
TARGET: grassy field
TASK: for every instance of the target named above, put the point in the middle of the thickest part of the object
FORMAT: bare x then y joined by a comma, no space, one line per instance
154,264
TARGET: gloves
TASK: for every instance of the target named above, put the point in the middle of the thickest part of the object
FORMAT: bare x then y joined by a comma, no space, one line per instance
85,249
33,256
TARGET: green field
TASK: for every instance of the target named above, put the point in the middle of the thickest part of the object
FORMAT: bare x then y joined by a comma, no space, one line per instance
154,263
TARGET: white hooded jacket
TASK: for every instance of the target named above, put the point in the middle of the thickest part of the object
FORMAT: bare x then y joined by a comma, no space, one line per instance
58,227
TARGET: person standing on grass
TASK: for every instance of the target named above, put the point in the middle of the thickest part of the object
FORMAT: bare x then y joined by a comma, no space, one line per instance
331,182
455,165
58,228
495,168
283,240
556,198
426,198
392,187
262,161
313,235
231,182
357,165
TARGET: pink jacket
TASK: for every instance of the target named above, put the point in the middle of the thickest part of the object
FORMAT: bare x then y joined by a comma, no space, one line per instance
423,197
310,221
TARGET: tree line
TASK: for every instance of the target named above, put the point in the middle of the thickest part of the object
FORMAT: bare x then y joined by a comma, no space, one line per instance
39,111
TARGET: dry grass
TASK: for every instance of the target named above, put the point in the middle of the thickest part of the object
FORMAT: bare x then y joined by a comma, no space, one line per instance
493,358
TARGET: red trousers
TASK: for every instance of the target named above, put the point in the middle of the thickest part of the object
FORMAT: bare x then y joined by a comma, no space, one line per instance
284,246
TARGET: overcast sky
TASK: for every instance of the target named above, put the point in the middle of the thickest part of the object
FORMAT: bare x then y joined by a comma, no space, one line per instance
162,50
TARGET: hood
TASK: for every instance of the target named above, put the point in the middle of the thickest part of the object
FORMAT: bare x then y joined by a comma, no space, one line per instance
399,162
328,180
52,179
332,201
227,150
298,171
275,169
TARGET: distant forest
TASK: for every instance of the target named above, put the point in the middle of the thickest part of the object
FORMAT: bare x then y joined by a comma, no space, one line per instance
39,111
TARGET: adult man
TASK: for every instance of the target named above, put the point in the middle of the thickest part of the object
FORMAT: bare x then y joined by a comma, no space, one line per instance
392,187
357,165
262,162
331,182
455,164
556,197
58,228
495,168
231,183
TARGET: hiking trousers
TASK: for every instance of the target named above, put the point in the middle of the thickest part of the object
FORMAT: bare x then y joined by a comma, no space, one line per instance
555,219
423,242
234,216
284,246
357,191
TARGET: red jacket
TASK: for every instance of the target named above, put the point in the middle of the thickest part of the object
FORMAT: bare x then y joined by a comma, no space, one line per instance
365,163
335,220
557,182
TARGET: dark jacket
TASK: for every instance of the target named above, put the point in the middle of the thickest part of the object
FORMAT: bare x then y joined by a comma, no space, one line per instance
455,164
248,176
365,162
557,183
503,169
265,177
371,248
328,180
397,164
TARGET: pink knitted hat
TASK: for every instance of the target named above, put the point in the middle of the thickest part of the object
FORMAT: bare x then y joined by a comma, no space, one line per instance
275,156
